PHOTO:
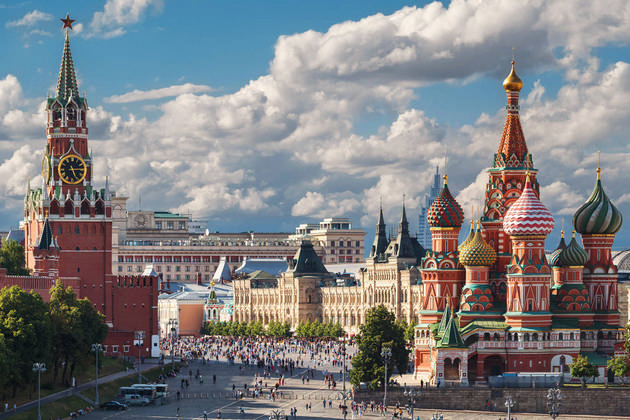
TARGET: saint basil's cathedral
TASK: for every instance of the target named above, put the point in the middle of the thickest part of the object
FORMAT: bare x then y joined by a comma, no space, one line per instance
496,303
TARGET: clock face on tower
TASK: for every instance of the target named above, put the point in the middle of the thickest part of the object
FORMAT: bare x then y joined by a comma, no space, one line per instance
46,169
72,169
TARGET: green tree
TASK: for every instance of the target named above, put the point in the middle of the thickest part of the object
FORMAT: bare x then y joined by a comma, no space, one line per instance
582,368
12,258
25,326
380,329
619,367
255,329
75,326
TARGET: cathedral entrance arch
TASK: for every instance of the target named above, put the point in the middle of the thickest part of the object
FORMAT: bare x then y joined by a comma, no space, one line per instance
451,369
493,366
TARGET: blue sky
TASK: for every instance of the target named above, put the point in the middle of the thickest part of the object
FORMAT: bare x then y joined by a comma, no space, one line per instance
263,115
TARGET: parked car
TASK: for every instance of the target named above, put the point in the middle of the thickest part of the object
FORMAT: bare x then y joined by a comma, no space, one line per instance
136,399
113,405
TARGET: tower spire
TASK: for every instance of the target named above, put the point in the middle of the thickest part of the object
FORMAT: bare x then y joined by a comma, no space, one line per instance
512,152
67,83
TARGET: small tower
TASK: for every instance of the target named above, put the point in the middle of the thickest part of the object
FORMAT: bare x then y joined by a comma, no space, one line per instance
598,220
507,176
570,297
442,275
377,252
528,222
477,300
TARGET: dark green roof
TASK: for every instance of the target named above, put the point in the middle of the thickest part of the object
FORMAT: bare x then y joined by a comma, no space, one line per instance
597,359
482,324
45,240
307,261
446,317
452,337
261,275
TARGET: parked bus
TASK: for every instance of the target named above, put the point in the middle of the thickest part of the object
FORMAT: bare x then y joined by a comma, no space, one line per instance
161,390
144,391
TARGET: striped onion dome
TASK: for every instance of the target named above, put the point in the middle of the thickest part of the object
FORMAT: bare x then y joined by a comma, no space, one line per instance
555,255
478,253
528,215
574,255
598,215
445,211
471,235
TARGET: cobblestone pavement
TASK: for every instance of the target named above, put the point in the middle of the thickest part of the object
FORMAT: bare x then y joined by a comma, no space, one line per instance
213,397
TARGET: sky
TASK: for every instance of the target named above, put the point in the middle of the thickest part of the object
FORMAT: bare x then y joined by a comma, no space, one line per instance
261,115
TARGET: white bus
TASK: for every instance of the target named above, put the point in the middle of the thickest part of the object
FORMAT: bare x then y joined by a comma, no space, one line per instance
144,391
161,390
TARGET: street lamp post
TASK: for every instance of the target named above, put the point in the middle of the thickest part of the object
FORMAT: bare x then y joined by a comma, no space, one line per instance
172,323
386,354
138,337
411,394
553,402
96,348
344,393
509,403
39,368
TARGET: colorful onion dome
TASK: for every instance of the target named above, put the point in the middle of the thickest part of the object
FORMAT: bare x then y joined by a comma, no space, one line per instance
528,215
512,82
445,211
574,255
471,235
478,253
555,255
598,215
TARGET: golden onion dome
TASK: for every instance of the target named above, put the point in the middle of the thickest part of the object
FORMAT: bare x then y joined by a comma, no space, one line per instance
512,82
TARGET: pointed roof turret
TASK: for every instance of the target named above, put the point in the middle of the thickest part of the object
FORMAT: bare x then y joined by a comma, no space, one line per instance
403,246
307,261
451,338
212,297
379,246
512,152
67,83
46,240
446,317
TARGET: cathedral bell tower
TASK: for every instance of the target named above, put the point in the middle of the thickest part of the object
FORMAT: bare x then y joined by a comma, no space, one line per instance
67,206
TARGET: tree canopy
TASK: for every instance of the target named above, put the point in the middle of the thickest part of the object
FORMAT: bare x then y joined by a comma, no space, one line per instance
12,258
60,332
380,330
583,369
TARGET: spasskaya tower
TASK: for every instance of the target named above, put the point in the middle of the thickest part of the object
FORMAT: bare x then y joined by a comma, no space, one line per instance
67,221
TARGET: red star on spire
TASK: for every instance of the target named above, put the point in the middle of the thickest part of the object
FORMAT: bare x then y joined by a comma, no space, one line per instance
67,22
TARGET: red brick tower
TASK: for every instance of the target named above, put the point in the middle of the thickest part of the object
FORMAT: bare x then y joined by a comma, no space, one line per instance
68,222
79,215
598,220
528,222
506,181
442,274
